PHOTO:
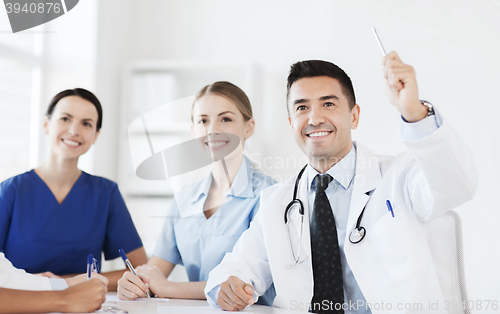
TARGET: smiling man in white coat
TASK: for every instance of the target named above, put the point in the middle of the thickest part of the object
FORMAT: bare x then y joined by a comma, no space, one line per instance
366,242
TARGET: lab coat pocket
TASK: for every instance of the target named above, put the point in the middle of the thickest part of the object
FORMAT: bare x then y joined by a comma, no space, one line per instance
397,241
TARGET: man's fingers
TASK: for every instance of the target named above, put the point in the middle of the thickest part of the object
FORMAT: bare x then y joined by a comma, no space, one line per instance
397,76
229,304
395,66
241,296
394,81
226,306
391,56
229,291
249,289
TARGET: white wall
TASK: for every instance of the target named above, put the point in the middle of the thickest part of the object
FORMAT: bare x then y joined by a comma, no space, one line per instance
69,54
454,46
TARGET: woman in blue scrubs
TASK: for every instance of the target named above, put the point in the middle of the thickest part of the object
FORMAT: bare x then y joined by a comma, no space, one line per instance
54,216
208,217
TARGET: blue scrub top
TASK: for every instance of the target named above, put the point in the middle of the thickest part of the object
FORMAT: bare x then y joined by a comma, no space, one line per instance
37,234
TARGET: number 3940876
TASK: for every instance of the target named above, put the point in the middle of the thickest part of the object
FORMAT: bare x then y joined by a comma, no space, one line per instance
33,8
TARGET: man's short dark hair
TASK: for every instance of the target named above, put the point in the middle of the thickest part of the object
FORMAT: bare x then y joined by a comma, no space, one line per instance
314,68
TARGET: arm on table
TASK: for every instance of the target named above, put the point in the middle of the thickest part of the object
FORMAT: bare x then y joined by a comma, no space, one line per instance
154,276
85,297
245,268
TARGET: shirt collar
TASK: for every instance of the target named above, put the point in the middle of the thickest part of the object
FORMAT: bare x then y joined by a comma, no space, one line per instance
239,188
342,172
202,188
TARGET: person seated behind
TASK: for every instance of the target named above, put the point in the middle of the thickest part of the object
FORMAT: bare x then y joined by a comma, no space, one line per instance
207,217
74,294
55,215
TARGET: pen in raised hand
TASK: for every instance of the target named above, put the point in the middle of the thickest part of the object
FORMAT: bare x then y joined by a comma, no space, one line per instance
379,42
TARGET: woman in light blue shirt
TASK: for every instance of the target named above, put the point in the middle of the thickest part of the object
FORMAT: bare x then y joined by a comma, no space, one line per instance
207,217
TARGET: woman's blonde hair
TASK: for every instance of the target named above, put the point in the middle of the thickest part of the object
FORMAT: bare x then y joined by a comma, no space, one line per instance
235,94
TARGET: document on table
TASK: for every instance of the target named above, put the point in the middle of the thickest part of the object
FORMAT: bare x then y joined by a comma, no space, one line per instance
114,298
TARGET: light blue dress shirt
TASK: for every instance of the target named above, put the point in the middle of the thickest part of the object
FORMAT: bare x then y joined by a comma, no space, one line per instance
339,193
190,239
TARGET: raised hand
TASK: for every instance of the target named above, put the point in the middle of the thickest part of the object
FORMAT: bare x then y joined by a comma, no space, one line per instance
402,88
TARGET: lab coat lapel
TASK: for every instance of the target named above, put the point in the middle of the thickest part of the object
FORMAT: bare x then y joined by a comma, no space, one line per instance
366,179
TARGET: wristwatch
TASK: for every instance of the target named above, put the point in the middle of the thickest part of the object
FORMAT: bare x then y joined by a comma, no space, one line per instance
430,108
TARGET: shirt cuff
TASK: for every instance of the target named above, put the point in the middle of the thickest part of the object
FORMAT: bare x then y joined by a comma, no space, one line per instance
212,296
58,284
421,129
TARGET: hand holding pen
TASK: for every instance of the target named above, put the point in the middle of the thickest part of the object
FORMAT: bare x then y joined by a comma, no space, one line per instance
131,268
401,85
92,273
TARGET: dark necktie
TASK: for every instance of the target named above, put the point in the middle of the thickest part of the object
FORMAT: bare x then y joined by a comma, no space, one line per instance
328,294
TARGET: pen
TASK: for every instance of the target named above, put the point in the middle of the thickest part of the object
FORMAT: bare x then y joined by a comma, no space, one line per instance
129,265
389,206
379,42
90,261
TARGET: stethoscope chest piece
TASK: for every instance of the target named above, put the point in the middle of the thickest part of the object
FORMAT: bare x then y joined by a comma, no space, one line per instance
357,235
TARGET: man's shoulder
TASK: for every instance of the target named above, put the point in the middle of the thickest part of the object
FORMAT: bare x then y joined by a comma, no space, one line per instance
367,158
279,189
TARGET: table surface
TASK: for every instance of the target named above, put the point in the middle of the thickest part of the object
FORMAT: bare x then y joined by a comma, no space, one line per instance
156,305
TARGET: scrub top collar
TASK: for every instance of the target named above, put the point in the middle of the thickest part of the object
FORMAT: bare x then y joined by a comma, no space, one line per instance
240,188
342,172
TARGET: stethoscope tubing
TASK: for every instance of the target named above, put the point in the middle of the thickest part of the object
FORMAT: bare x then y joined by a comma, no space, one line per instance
353,238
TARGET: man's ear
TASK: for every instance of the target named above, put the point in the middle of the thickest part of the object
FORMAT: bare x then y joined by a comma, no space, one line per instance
355,116
289,121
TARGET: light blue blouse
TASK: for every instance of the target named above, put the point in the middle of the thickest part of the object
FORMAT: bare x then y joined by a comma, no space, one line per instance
198,243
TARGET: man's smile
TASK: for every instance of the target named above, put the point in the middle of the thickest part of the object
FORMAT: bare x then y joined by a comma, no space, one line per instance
318,134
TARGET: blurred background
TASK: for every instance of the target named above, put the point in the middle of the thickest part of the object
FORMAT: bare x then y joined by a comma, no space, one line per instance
138,55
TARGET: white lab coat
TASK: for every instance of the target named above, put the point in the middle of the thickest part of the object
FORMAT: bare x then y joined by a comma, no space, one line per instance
398,262
13,278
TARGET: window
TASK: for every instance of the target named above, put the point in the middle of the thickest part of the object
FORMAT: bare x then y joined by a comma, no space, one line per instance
19,99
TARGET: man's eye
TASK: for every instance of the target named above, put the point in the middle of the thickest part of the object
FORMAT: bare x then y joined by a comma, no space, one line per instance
87,124
299,108
328,104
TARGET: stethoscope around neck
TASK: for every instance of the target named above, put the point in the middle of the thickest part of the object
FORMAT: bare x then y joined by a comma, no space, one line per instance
356,236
